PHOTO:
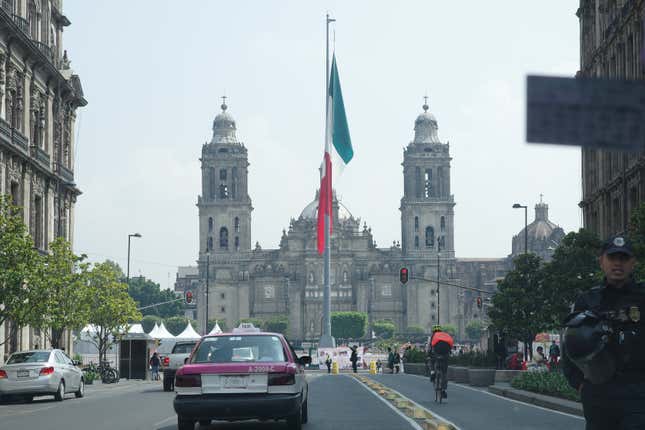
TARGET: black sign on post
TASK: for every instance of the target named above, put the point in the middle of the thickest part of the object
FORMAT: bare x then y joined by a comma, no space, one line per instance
591,112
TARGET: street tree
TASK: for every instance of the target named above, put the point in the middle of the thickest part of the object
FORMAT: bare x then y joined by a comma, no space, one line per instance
573,269
64,291
637,235
176,325
20,265
146,292
221,323
112,308
148,322
278,324
348,325
474,329
383,328
517,308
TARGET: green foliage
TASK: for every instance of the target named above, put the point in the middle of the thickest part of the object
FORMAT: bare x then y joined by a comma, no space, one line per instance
414,355
222,324
278,324
65,301
146,292
549,383
20,266
348,325
415,329
176,325
474,329
573,270
384,329
112,307
90,376
637,236
474,359
148,322
450,329
517,308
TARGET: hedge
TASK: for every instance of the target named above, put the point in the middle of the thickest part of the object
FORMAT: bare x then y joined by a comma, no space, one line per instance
549,383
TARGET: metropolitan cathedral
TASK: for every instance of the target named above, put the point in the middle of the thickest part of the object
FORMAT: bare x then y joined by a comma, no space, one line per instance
245,280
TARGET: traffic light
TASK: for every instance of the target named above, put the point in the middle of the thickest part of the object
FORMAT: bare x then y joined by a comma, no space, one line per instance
403,275
479,302
188,297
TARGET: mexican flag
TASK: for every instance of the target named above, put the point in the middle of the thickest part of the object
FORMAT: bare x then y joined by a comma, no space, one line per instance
338,152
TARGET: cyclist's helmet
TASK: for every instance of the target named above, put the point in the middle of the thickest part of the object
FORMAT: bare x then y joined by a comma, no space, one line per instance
436,328
586,339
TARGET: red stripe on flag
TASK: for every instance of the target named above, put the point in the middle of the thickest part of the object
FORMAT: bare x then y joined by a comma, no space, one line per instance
324,203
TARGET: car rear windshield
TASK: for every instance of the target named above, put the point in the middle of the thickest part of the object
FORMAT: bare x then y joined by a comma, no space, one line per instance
183,348
240,349
29,357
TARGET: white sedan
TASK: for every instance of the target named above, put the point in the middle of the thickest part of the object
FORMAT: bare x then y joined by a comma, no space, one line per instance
39,373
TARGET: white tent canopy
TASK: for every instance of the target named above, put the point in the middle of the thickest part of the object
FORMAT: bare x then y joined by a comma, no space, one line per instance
163,333
216,329
154,332
136,329
188,333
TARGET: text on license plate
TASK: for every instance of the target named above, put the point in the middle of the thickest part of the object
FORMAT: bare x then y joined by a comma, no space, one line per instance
23,373
235,381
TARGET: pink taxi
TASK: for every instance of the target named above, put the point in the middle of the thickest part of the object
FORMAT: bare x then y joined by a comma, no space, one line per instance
243,375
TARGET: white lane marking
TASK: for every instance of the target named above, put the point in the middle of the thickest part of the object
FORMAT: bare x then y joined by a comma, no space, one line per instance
27,411
391,406
507,398
155,425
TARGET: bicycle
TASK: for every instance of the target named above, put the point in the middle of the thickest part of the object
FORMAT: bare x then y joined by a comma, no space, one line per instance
439,378
108,374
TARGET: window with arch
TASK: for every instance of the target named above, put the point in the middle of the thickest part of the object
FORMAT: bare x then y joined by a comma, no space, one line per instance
416,241
210,224
209,244
234,182
236,224
237,242
222,174
418,185
223,191
428,191
443,223
223,238
429,237
416,223
211,182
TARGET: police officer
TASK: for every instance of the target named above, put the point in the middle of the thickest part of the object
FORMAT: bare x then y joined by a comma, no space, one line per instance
604,344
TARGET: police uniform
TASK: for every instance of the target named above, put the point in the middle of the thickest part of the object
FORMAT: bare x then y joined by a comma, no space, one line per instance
617,401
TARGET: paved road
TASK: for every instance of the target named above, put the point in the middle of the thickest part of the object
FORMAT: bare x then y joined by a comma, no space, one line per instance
472,408
335,403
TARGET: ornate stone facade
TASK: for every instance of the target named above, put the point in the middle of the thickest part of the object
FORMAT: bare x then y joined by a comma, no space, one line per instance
611,40
39,95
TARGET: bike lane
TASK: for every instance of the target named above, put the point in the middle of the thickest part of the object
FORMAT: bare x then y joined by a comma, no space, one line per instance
473,408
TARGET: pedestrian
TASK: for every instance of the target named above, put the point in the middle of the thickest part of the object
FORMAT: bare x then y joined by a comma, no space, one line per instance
154,364
379,364
328,363
539,359
354,358
390,359
397,362
604,343
500,353
554,355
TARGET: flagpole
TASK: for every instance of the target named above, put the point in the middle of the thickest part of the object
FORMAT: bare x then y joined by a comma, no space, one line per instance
326,340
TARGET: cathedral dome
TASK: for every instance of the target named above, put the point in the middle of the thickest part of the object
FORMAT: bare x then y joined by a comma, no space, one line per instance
425,127
224,127
542,235
311,210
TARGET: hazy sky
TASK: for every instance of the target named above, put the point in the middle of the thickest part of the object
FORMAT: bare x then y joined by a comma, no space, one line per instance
153,72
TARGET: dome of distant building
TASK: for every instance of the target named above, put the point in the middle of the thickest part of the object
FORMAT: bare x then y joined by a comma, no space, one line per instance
224,127
426,128
311,210
543,235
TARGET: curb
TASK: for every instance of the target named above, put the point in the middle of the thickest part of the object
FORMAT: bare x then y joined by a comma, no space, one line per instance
425,418
560,405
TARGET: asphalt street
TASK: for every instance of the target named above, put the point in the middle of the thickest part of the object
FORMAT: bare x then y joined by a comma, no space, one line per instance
473,408
335,402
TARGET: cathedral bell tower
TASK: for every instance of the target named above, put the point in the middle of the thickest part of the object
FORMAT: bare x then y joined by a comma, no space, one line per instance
427,213
224,204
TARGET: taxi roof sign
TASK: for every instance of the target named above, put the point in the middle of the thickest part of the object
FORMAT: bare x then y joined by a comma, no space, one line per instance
246,327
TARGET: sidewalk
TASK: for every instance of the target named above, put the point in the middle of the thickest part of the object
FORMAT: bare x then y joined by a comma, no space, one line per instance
549,402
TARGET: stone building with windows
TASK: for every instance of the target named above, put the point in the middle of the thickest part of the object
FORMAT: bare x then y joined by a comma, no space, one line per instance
611,45
543,235
248,281
39,95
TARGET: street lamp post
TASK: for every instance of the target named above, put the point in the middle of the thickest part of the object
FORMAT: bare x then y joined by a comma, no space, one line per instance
438,274
130,236
208,263
526,231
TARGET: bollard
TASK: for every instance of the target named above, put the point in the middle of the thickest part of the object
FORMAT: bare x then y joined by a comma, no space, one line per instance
372,367
334,368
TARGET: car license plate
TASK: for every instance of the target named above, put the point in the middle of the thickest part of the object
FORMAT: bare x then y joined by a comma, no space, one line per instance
23,374
235,382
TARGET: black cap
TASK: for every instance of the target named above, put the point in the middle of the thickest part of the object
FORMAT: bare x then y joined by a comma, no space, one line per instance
618,244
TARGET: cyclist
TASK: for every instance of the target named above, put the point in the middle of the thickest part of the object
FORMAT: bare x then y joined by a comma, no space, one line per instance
439,347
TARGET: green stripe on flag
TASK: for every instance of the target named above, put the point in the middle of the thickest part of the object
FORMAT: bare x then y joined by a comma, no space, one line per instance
340,131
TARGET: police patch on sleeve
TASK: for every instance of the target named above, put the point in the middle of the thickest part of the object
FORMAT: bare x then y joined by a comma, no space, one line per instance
634,314
619,241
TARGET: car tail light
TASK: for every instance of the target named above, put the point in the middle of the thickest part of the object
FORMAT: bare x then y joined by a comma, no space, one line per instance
46,371
3,374
166,361
188,381
282,379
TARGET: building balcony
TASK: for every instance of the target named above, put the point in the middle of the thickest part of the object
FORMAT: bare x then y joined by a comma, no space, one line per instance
65,173
7,5
5,131
19,140
22,24
45,49
40,156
